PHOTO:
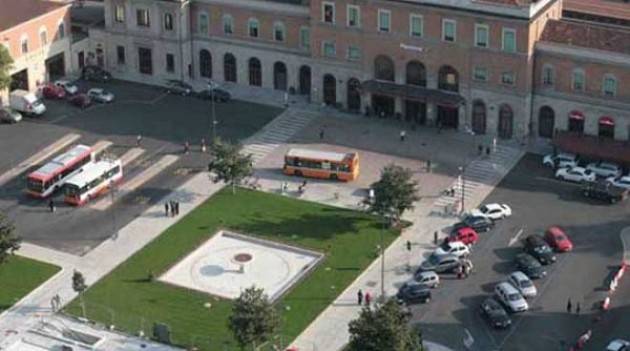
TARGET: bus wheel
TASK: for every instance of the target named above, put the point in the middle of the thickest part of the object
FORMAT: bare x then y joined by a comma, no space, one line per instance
333,176
298,173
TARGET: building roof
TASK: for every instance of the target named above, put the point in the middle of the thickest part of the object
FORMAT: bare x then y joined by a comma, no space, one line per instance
319,155
509,2
604,8
15,12
587,35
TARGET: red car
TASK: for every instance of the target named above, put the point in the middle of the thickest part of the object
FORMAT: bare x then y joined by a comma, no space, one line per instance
558,239
467,235
80,100
51,91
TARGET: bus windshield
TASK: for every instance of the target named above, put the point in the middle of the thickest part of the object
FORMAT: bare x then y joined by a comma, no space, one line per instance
35,185
71,190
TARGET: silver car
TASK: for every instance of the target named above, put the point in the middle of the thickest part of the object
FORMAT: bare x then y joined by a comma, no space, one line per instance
440,263
523,284
8,115
100,95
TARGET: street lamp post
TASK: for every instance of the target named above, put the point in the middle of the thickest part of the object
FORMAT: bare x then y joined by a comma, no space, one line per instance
211,86
462,170
383,260
112,194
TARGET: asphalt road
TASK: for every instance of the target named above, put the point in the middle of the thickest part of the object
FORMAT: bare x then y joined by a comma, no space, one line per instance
166,122
538,201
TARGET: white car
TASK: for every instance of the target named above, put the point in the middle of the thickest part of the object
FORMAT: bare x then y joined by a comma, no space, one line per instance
510,297
560,160
618,345
100,95
68,86
492,211
576,174
622,182
428,278
523,284
456,248
604,169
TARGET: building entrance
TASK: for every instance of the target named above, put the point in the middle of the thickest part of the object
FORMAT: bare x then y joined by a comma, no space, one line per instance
383,105
56,67
415,112
447,117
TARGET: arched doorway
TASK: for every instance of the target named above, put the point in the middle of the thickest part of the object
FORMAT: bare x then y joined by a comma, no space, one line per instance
479,117
606,127
205,64
305,80
415,111
546,122
506,122
255,72
280,76
330,89
229,68
416,74
384,68
354,95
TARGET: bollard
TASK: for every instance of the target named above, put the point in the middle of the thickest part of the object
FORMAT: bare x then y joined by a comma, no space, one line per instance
606,304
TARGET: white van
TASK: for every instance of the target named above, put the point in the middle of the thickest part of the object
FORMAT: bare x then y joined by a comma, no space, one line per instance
510,297
26,102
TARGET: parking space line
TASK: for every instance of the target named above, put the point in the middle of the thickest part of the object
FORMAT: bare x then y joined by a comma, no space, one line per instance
38,157
136,181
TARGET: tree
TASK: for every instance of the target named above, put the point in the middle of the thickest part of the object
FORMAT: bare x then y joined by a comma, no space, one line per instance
394,193
6,63
254,320
384,327
9,242
228,164
79,286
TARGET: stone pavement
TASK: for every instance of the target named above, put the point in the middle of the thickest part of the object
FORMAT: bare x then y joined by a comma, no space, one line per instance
25,314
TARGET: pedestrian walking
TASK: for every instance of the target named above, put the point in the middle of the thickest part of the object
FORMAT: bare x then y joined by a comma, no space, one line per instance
494,144
172,205
578,308
177,208
429,166
321,134
480,149
435,237
138,140
487,150
569,305
359,297
166,212
186,148
203,145
368,299
51,205
403,135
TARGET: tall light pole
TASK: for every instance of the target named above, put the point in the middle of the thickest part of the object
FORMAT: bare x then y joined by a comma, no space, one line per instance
462,169
212,86
383,259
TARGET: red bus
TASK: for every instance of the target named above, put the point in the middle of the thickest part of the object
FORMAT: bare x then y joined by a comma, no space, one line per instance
51,176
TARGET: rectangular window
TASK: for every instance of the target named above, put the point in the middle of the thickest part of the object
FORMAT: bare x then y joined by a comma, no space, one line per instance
415,26
119,13
509,40
305,37
578,81
547,78
354,16
145,61
449,30
253,28
328,12
228,25
24,46
481,36
142,18
61,30
202,26
610,86
480,74
354,53
507,78
384,20
170,63
168,21
329,49
43,38
278,32
120,55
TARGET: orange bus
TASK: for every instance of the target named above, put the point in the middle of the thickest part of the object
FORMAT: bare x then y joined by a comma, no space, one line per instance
322,164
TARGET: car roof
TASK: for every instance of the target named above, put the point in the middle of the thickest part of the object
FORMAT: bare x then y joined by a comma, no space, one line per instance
465,230
493,206
518,275
507,287
555,230
448,256
427,273
565,154
97,90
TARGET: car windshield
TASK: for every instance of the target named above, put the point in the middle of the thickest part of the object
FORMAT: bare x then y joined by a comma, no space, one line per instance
484,209
446,246
37,103
514,297
526,283
434,259
542,249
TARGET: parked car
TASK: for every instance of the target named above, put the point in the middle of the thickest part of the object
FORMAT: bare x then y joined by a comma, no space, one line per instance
575,174
220,95
536,246
558,239
527,264
466,235
492,211
95,73
622,181
618,345
457,248
604,169
100,95
478,223
428,278
80,100
510,297
440,264
68,86
560,160
494,313
9,115
413,292
52,91
26,103
178,87
603,190
523,284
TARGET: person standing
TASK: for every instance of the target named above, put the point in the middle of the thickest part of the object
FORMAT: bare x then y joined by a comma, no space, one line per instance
186,148
569,305
177,208
321,134
429,166
403,135
138,140
203,145
435,237
172,205
578,308
359,297
166,212
51,205
368,299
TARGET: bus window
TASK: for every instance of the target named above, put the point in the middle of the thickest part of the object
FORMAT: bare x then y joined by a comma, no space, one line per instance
326,165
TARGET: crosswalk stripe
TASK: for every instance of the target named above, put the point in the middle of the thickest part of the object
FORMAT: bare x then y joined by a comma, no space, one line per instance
131,155
100,146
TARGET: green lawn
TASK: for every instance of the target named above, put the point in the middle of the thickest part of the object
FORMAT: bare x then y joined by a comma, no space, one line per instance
132,302
19,276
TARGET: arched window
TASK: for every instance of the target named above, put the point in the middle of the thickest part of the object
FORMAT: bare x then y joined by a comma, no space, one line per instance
354,95
578,80
330,89
255,72
203,23
229,68
24,44
278,31
384,68
448,79
546,122
609,85
506,122
548,75
416,74
205,64
280,76
252,28
61,30
305,80
479,117
228,24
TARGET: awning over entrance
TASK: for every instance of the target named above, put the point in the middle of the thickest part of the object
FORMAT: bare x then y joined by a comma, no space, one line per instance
576,115
412,92
609,121
593,147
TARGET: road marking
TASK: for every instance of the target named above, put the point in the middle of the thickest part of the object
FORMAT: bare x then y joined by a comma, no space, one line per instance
38,157
59,119
100,146
515,238
136,181
131,155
